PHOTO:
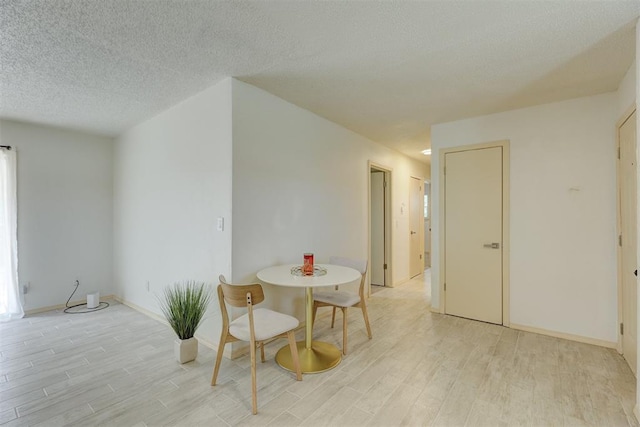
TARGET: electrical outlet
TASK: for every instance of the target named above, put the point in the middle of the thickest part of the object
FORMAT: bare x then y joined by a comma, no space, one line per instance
25,288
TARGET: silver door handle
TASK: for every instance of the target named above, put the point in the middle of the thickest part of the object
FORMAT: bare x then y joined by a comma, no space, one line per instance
492,245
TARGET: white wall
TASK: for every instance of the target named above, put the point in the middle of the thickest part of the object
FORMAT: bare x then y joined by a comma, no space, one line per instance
563,211
172,179
117,215
300,185
64,211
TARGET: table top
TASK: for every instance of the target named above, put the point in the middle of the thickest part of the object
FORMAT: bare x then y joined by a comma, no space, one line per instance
281,275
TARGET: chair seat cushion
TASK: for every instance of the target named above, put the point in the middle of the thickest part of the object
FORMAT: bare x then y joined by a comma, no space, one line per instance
267,324
338,298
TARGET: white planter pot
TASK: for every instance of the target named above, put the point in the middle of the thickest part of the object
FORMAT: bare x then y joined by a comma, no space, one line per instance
185,350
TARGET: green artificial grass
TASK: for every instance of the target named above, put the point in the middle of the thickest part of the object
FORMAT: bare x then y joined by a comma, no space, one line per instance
184,306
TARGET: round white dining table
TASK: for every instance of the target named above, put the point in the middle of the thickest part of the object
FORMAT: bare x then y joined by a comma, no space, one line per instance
315,356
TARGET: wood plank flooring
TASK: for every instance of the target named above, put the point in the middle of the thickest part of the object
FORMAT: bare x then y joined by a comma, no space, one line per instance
116,367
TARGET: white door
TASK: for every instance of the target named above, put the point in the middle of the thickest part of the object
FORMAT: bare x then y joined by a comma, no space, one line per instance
416,222
628,249
377,228
473,234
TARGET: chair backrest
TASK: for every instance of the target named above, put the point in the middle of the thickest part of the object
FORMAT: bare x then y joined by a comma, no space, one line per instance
357,264
239,296
223,309
236,295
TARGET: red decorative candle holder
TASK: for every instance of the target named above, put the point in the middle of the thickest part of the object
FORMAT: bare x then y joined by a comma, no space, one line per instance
307,266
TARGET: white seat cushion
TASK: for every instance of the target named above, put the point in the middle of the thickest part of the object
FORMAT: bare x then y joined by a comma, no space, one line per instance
339,298
267,324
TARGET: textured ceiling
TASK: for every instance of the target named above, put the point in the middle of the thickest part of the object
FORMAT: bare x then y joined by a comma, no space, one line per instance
386,70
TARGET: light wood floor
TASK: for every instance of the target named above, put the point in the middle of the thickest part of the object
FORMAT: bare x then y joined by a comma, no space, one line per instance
116,367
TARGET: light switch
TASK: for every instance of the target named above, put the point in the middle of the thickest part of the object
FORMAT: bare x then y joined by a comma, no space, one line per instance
220,225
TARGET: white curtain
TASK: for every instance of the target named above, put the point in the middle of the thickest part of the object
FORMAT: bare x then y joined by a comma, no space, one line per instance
10,305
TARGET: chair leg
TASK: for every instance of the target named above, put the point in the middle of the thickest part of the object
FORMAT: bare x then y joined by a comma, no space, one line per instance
363,306
216,369
261,351
344,330
333,317
291,335
254,388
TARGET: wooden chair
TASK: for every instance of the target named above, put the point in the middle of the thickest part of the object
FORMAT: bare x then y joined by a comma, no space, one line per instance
255,327
223,280
344,299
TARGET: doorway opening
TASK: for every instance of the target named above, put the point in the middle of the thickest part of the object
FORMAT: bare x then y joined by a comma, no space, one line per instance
416,226
379,178
627,239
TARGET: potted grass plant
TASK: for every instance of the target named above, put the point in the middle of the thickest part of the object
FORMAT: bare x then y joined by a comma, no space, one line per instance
184,305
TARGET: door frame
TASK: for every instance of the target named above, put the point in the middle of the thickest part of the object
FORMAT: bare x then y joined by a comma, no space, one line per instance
427,181
506,248
420,226
619,123
388,234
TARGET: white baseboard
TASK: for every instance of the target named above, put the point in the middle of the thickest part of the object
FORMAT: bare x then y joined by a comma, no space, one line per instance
570,337
205,342
63,306
231,352
399,282
555,334
142,310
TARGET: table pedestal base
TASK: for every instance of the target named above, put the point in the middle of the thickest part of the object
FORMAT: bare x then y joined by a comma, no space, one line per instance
320,357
